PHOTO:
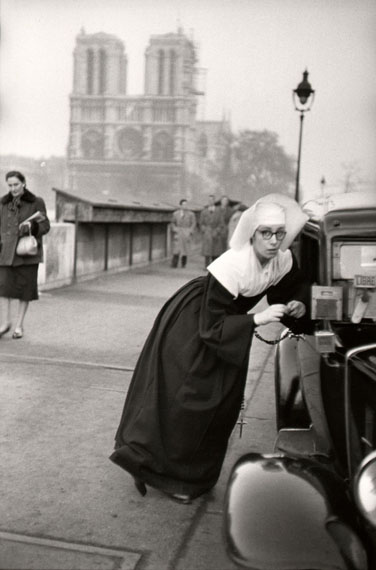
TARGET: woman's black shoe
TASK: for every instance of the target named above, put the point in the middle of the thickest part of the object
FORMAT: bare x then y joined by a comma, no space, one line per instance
140,486
4,331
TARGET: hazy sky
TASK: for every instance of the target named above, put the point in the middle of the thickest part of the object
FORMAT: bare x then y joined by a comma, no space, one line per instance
254,51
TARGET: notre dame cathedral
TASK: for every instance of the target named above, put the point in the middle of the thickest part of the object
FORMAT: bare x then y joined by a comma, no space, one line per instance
150,145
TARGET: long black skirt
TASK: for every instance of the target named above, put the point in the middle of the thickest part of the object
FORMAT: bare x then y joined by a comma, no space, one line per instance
186,391
19,282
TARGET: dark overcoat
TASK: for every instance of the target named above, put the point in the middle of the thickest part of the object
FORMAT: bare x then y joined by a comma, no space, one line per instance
10,220
226,213
212,225
188,384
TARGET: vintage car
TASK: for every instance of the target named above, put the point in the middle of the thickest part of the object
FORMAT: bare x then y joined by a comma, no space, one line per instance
311,505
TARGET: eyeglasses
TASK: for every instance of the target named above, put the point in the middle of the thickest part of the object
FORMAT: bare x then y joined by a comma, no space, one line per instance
268,234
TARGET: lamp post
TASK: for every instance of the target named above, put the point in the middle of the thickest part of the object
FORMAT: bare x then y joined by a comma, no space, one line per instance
303,97
322,184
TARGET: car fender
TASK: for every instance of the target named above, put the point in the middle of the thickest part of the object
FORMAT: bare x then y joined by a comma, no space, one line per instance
286,513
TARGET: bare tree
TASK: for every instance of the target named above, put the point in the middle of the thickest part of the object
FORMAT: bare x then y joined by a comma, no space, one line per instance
252,164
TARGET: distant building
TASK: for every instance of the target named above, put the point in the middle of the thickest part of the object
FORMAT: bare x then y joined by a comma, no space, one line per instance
150,145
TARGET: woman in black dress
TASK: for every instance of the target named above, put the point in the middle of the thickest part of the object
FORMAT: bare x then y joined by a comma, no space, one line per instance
19,275
188,384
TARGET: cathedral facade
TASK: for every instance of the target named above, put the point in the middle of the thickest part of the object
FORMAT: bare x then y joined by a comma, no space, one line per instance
150,145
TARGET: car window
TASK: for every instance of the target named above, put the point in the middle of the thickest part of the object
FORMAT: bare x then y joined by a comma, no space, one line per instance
357,259
309,259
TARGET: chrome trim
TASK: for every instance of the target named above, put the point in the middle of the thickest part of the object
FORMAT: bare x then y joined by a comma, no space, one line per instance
367,461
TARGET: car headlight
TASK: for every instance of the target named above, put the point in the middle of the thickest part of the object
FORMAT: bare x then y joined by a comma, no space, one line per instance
365,488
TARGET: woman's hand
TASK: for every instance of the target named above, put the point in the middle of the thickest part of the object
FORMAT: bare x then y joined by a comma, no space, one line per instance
272,314
295,309
24,228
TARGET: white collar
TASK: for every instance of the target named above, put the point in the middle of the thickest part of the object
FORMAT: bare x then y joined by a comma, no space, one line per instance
241,272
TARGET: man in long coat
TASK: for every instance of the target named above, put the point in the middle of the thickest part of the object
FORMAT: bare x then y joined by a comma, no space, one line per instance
211,225
182,227
226,211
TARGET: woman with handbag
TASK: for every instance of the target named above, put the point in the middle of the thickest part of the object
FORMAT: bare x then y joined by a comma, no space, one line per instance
22,215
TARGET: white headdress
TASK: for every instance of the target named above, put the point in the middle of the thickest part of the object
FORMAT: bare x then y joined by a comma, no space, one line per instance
270,209
269,214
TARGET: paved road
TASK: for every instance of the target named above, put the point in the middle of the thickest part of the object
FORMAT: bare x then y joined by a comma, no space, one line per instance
64,505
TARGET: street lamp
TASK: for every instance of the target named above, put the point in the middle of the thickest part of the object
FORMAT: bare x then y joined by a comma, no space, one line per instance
303,97
322,184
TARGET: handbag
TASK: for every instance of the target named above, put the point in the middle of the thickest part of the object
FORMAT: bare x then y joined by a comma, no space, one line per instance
27,245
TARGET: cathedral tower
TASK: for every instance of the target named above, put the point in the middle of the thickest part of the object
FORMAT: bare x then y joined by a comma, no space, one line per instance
100,65
170,65
100,71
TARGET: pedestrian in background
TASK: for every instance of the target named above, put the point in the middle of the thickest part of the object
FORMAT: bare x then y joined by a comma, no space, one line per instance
211,226
237,210
182,227
19,275
226,212
187,388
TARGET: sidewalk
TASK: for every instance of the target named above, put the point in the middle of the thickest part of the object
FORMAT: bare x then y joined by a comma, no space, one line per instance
64,505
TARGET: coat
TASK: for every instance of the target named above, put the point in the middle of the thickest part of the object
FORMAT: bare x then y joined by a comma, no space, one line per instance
226,216
212,225
187,388
182,227
9,228
233,222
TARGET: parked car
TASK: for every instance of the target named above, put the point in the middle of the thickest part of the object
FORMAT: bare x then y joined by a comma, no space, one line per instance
311,505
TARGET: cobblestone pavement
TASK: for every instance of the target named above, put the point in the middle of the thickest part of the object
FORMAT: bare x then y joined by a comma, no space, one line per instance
64,505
